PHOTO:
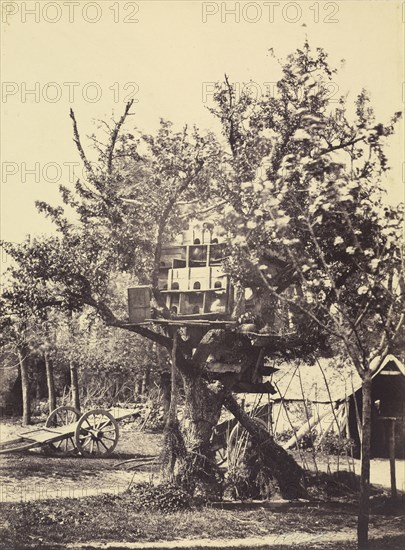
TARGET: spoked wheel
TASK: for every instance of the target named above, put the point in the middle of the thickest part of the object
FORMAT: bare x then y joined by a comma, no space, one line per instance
221,456
96,434
62,416
239,442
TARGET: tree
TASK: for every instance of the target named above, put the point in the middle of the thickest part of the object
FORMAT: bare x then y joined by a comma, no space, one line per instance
16,331
306,185
291,199
25,304
141,192
108,361
50,380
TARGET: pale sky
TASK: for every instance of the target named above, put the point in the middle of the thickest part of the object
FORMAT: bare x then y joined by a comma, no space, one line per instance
167,60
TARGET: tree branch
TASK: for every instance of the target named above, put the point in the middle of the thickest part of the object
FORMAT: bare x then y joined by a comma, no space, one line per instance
76,139
111,320
340,146
114,136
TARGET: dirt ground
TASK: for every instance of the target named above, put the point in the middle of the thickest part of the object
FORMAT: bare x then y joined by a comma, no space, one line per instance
34,475
43,503
379,468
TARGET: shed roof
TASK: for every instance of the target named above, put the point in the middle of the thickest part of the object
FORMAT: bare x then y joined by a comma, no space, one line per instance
328,380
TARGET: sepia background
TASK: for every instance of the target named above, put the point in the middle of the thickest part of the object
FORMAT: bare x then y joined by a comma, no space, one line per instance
94,56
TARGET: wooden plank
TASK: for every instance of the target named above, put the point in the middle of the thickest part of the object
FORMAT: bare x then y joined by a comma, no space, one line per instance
25,447
248,387
47,436
391,428
189,322
60,430
306,427
389,373
224,367
194,291
267,371
4,444
139,303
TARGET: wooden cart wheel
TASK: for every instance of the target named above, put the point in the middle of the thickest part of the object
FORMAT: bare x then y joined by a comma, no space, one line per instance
239,439
62,416
221,456
96,433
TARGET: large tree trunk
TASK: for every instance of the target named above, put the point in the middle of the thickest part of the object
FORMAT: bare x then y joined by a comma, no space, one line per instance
287,473
50,382
196,467
74,385
198,470
25,387
364,500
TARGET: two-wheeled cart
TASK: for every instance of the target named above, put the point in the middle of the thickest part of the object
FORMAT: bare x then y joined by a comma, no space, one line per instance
67,431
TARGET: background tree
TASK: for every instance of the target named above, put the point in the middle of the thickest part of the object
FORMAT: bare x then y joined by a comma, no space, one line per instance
110,362
17,328
30,326
110,365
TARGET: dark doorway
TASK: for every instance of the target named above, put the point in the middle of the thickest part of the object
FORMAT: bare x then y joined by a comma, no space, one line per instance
388,401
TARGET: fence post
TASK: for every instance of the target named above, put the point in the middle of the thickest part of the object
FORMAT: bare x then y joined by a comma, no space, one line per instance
391,426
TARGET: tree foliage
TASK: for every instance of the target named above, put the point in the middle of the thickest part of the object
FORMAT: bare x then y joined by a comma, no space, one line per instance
138,194
311,196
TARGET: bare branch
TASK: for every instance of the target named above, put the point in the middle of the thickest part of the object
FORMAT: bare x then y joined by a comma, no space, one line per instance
340,146
76,139
204,210
114,135
111,320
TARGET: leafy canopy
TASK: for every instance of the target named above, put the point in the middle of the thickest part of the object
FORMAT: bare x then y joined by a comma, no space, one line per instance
306,187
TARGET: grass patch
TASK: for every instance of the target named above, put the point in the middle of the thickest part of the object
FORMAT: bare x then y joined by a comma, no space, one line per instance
107,518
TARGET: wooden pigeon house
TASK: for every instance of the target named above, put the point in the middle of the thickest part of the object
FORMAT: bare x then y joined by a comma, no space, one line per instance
191,278
199,295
